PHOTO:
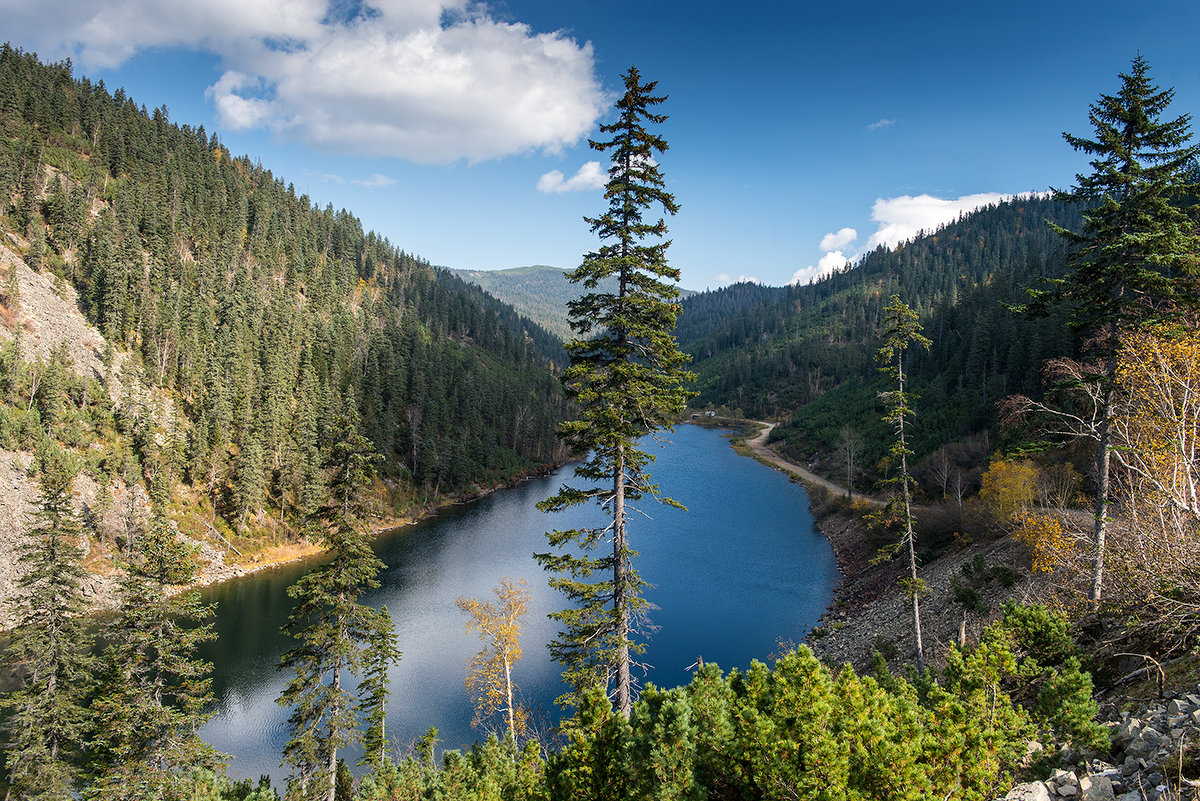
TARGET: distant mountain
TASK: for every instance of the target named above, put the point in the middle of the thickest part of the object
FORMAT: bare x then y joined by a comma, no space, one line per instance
539,292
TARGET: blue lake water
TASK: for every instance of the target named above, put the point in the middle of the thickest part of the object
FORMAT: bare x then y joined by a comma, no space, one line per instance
740,571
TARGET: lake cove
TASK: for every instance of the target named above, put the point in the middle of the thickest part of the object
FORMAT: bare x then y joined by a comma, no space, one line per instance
739,572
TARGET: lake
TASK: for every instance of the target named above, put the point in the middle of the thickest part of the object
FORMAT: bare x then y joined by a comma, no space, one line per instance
741,571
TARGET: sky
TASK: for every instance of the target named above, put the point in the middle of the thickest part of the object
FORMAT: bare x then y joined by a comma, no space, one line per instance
802,134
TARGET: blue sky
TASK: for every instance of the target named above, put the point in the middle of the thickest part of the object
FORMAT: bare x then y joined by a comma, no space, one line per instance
800,133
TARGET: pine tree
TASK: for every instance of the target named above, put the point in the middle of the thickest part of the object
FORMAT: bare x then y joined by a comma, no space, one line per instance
901,329
373,690
332,627
1135,261
47,713
156,694
627,381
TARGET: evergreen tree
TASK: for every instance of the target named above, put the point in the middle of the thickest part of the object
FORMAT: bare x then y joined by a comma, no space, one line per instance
1135,261
47,713
626,376
332,627
382,653
901,330
156,693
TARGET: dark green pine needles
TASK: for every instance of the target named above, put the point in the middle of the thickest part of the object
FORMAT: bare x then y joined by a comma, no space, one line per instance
626,378
338,636
1135,262
47,715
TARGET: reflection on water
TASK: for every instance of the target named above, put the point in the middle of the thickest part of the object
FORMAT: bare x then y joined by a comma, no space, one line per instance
738,572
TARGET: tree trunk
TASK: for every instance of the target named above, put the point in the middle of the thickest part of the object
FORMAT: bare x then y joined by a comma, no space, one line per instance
332,764
624,700
1103,456
512,724
910,535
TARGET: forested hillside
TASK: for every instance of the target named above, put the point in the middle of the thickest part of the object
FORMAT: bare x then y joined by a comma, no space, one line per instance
258,315
772,350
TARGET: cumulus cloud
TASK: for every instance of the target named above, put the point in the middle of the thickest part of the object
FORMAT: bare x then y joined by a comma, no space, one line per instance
839,240
432,81
834,260
235,110
589,176
902,218
834,245
875,126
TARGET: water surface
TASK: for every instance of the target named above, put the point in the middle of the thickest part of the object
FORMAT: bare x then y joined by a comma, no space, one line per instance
740,571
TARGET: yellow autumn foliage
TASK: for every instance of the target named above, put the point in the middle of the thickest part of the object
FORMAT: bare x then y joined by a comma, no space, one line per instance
489,673
1158,425
1048,538
1008,489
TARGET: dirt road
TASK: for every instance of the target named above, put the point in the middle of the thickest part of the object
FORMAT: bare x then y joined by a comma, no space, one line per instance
758,445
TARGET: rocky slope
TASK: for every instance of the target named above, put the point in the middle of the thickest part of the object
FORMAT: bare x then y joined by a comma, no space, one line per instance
46,316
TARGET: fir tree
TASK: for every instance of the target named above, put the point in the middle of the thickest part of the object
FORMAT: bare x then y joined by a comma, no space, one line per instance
382,653
156,694
1135,261
901,329
626,376
47,713
333,628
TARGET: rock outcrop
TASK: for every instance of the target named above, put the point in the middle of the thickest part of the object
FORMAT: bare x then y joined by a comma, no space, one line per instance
1151,750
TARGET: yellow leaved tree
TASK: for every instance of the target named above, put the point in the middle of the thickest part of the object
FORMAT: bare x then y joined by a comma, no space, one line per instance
1156,431
1158,426
489,673
1008,490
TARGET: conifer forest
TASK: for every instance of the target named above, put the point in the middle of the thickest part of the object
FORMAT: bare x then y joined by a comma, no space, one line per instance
253,374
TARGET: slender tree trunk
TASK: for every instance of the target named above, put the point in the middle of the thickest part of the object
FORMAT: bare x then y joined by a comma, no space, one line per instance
1103,457
624,700
512,724
910,535
332,765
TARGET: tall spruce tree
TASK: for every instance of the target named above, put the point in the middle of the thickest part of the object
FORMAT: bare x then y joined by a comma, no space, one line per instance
626,376
156,693
334,630
47,714
900,330
1135,261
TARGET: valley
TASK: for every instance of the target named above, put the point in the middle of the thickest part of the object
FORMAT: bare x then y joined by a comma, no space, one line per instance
204,374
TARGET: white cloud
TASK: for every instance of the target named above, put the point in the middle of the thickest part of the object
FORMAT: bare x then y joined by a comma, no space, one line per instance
838,240
589,176
432,81
834,260
376,181
902,218
724,280
326,177
875,126
236,111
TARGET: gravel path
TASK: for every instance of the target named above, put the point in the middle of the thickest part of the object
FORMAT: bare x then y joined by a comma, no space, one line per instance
764,453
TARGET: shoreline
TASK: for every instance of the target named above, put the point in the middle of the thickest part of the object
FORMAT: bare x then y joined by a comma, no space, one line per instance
100,588
379,528
836,536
